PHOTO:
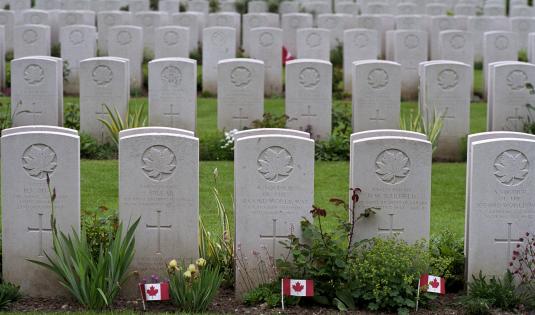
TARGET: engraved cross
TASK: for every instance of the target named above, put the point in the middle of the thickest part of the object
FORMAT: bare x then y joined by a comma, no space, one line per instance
377,118
34,112
240,117
40,229
445,114
274,237
171,114
391,229
158,227
507,241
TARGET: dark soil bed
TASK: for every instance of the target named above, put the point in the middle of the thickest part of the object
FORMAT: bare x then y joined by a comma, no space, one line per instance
224,303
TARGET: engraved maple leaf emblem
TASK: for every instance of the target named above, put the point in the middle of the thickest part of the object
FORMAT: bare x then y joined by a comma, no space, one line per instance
102,75
511,167
309,77
240,76
275,164
516,80
39,160
159,163
392,166
378,78
447,79
33,74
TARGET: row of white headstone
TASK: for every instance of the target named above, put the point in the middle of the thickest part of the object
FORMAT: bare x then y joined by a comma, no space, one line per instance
273,191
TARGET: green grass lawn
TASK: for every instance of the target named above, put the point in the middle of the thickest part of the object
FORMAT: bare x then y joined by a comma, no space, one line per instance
100,182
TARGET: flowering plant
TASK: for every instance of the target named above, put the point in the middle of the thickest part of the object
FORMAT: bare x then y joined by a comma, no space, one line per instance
522,264
192,287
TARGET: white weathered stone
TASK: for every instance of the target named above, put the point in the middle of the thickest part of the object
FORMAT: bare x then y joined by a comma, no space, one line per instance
35,92
478,25
78,42
38,128
227,6
240,93
359,44
127,42
500,203
291,23
218,44
145,130
107,5
257,6
169,6
445,91
376,94
2,57
83,17
171,41
71,5
438,24
523,10
408,48
313,43
456,45
410,22
376,8
191,20
347,7
286,7
316,7
27,158
173,93
373,22
522,26
270,131
228,19
336,24
498,46
7,19
494,10
508,95
106,20
465,9
254,20
407,8
135,6
394,174
274,190
31,40
201,6
435,9
47,5
36,17
149,22
266,45
103,81
309,96
159,183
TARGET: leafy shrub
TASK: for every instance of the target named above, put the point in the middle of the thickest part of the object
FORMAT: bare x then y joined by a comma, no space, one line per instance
337,56
325,255
338,83
430,127
55,50
193,288
5,116
337,147
9,293
447,259
116,124
214,6
94,283
100,226
71,115
218,248
485,295
271,121
216,147
523,55
91,150
241,6
269,293
386,273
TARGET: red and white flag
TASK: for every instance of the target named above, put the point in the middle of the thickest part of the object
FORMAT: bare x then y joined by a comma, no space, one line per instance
433,284
293,287
155,291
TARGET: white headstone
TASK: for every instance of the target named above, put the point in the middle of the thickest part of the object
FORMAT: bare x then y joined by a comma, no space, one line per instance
522,26
171,41
7,19
192,21
173,93
31,40
309,96
313,43
103,81
253,20
218,44
274,190
159,183
456,46
498,46
127,42
266,45
257,6
229,19
27,158
106,20
240,93
291,23
149,22
78,42
359,44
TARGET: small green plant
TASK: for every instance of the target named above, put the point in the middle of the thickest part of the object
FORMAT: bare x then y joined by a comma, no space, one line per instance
217,146
100,226
91,150
9,293
336,148
71,116
271,121
218,248
337,56
116,124
193,288
241,6
55,50
431,126
214,6
6,119
94,283
495,293
523,55
447,259
269,293
386,272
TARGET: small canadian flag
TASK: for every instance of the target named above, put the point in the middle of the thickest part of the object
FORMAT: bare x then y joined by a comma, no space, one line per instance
433,284
293,287
155,291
